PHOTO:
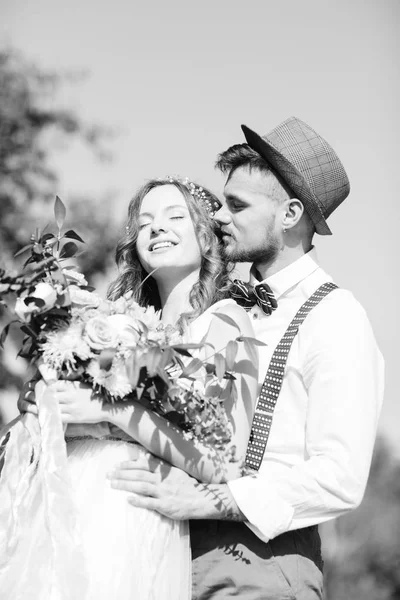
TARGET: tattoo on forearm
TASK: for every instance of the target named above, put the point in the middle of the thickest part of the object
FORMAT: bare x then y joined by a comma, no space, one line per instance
225,506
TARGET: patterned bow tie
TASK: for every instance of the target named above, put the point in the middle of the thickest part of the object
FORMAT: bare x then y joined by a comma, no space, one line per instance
247,296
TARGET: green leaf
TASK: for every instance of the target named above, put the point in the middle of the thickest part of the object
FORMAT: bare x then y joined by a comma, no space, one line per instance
210,368
195,365
25,351
46,236
44,228
183,352
25,329
24,249
187,346
179,362
27,262
220,366
4,334
152,359
39,302
251,349
133,370
37,266
72,235
106,358
162,374
68,250
226,319
229,376
59,212
166,358
230,354
251,340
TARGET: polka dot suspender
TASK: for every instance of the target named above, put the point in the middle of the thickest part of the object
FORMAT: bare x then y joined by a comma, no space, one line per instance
271,387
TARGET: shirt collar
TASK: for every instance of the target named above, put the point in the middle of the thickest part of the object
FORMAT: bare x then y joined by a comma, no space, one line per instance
291,275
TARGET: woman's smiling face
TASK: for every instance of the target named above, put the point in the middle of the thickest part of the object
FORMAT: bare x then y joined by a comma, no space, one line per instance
167,239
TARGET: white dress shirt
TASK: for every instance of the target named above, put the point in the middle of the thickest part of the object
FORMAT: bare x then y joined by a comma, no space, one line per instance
318,455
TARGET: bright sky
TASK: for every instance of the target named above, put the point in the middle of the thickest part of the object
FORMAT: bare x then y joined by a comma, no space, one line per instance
178,78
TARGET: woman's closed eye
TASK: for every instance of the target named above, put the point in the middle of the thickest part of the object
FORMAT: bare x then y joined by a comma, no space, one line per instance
143,225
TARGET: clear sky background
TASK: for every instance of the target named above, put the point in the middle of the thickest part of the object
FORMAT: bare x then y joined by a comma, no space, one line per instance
177,79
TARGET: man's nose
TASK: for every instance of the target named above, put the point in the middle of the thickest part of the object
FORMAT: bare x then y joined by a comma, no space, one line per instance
222,216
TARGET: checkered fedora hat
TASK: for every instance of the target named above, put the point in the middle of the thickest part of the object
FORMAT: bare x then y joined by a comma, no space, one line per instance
307,164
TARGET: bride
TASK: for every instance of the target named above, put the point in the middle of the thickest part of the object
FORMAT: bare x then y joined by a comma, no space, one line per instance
131,553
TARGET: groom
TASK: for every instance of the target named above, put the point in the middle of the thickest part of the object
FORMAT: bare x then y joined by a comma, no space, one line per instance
321,381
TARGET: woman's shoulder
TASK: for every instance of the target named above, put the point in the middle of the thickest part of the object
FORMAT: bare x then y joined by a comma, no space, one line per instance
227,304
226,307
229,307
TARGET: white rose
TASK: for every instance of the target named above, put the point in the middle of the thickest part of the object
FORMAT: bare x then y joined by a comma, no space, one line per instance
25,309
100,334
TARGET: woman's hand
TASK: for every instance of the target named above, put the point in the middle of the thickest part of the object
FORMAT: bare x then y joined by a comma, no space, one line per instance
77,404
27,398
76,401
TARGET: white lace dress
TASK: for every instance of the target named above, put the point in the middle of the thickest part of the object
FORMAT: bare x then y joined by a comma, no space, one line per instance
130,553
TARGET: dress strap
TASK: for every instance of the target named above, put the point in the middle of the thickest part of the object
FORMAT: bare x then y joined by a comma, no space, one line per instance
272,385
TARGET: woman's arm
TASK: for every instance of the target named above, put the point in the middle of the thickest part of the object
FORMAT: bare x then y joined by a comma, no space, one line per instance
167,441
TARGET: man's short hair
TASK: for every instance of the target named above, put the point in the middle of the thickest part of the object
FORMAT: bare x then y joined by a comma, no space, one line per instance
240,155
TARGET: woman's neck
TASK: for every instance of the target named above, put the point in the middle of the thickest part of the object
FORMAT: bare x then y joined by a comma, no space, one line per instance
174,296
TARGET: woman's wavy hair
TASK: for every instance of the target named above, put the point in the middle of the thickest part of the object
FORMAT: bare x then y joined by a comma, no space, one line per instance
213,282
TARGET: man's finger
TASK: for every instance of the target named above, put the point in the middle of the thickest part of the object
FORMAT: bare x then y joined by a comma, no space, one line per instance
144,502
135,487
128,464
135,475
146,462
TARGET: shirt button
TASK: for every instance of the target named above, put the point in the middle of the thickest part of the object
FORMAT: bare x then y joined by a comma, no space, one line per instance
255,316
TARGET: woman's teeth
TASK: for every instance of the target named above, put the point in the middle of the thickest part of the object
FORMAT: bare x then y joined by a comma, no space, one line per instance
161,245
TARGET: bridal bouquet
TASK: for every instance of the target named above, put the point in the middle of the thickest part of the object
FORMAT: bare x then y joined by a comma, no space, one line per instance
120,348
124,352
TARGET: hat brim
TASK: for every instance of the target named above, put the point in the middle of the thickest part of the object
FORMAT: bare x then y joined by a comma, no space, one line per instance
291,176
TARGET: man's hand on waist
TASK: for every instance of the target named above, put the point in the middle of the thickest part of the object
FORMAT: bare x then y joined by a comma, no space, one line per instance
156,485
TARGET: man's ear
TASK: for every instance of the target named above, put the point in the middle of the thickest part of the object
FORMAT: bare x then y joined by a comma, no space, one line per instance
293,210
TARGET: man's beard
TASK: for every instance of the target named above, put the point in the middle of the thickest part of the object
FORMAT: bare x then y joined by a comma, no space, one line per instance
264,253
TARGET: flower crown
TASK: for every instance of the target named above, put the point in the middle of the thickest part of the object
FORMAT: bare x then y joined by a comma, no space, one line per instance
211,204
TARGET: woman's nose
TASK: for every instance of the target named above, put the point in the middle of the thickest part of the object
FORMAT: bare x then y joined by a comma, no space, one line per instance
158,227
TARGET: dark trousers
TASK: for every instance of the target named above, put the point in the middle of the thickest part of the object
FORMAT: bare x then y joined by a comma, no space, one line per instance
230,561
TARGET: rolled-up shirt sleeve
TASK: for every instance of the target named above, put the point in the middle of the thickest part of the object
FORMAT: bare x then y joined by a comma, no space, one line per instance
342,373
